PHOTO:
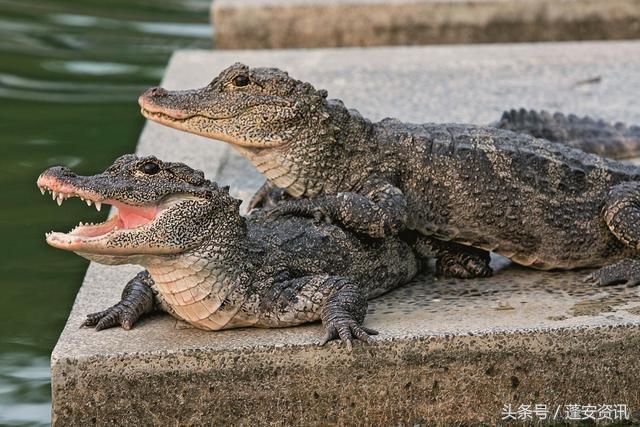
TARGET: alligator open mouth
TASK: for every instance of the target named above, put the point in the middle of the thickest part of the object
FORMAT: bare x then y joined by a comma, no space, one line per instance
125,217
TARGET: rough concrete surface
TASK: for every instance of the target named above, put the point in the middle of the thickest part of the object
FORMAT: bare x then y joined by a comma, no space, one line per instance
449,351
259,24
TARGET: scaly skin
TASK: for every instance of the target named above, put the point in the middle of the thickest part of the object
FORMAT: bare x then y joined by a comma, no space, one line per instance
207,265
541,204
614,141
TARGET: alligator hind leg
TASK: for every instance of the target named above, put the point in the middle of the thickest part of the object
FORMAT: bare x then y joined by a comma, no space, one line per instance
339,302
622,216
137,299
454,259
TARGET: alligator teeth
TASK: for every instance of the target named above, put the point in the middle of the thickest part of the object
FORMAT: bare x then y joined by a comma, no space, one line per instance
88,202
54,195
98,206
42,190
59,200
81,198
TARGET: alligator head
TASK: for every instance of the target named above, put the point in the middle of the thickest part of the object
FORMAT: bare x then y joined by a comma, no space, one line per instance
247,107
160,208
275,121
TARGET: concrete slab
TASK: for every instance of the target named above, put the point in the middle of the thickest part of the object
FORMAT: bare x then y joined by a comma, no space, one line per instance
259,24
449,351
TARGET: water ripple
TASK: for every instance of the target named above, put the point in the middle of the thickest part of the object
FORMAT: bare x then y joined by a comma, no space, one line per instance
173,29
70,73
16,87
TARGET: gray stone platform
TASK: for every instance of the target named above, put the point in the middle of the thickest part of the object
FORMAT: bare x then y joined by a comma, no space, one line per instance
449,351
259,24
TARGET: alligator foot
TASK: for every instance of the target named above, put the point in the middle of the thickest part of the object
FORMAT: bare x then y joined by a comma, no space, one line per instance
343,314
258,198
625,271
454,259
347,330
463,266
137,299
378,210
267,196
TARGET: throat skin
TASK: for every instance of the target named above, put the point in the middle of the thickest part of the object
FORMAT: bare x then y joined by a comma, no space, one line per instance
280,171
207,287
334,157
201,297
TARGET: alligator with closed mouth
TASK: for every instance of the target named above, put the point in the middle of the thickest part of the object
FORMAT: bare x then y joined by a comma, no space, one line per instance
472,189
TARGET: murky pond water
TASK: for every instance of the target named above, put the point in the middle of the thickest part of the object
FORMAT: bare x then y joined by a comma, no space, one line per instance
70,74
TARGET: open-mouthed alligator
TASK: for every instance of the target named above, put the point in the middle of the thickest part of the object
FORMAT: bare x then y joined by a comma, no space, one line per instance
211,267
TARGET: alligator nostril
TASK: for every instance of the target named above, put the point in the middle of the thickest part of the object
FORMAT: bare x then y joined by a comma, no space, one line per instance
157,91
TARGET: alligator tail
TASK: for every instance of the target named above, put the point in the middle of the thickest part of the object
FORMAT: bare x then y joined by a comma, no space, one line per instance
614,141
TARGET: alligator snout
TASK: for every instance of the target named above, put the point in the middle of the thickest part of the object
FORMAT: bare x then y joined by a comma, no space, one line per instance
157,100
150,95
156,91
57,172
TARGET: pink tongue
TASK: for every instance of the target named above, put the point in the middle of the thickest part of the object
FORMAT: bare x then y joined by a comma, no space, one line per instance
132,220
133,217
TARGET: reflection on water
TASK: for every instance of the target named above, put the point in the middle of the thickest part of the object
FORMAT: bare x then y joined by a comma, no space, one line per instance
24,380
70,74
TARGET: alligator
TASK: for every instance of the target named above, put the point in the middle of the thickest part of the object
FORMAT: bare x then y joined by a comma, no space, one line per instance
208,265
542,204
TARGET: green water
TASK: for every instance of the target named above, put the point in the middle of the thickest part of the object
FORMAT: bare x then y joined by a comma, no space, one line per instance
70,74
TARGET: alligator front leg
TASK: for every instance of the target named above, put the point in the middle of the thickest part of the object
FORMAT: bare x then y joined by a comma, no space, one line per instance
338,302
454,259
137,299
379,209
622,216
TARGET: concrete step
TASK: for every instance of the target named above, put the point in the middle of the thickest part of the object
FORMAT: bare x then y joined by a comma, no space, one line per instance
448,351
259,24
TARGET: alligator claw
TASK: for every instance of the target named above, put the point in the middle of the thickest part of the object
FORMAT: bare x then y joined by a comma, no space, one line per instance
256,201
347,331
274,214
463,266
625,271
119,314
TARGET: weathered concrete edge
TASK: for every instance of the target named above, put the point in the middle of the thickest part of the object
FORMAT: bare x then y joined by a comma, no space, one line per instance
246,24
81,362
478,375
485,338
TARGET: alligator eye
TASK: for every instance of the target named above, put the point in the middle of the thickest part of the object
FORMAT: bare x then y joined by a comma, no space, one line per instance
150,168
240,81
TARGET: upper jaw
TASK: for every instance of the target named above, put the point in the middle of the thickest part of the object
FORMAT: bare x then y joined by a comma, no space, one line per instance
61,190
94,237
156,104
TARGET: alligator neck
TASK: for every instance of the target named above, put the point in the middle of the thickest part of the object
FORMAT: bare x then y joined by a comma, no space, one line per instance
205,286
318,157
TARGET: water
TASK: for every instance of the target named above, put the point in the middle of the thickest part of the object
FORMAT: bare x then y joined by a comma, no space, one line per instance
70,74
